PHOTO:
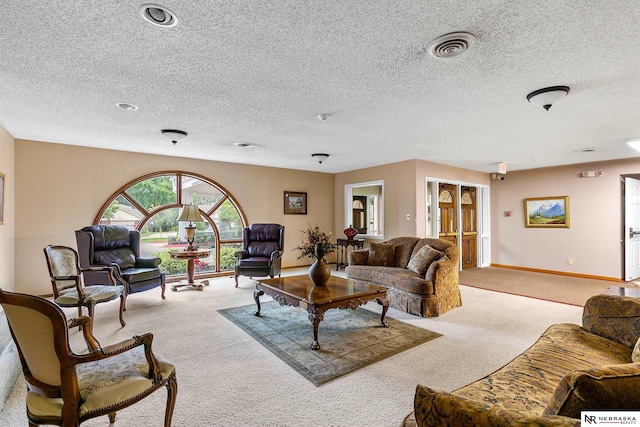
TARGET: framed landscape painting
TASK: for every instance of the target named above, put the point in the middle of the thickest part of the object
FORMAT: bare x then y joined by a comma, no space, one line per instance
547,212
295,203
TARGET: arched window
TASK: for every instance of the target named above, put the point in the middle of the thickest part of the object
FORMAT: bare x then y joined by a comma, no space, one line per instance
152,204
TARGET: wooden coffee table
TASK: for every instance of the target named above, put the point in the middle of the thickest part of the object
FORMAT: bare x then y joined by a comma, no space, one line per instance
298,291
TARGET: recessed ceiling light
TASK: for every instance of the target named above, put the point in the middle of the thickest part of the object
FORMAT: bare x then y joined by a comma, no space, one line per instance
244,145
158,15
588,150
126,106
324,117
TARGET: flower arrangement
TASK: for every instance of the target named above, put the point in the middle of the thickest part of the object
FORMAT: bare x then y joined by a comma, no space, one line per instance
315,243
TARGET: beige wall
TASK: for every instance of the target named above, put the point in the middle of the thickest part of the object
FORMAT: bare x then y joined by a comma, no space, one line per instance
404,192
7,230
60,188
593,241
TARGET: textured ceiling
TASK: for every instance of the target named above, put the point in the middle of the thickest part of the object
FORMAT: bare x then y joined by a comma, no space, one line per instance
261,72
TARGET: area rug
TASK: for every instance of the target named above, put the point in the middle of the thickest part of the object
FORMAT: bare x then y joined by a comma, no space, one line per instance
349,339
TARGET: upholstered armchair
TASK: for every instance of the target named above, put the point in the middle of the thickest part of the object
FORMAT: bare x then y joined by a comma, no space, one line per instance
68,286
261,254
117,246
65,388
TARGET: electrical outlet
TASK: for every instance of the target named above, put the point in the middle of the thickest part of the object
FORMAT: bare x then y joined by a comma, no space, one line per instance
570,261
408,217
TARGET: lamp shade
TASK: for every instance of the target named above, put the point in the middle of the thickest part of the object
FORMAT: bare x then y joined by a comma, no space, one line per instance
546,97
190,213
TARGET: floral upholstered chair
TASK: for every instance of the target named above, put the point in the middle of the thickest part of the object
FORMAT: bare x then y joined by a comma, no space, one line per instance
65,388
68,284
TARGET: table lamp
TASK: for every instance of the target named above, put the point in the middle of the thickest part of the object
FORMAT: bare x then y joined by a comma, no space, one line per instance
190,213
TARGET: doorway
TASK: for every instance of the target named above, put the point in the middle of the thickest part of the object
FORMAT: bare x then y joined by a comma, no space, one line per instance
631,232
461,217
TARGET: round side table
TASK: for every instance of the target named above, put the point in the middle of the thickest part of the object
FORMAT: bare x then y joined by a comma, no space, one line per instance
191,257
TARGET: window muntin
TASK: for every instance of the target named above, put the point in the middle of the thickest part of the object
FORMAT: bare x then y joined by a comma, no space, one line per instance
152,205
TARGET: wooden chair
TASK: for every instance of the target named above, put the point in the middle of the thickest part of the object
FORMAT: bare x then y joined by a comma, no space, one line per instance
65,388
68,285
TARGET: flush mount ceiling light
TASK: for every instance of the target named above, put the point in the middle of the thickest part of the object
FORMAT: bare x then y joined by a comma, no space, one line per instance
320,157
450,45
244,144
158,15
546,97
174,135
126,106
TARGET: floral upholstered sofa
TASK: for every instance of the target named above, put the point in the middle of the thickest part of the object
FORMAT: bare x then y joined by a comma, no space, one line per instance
569,369
421,274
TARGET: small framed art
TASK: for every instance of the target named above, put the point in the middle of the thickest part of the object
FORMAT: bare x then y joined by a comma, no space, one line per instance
295,203
547,212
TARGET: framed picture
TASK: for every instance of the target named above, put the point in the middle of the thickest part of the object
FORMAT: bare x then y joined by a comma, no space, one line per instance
295,203
1,198
550,212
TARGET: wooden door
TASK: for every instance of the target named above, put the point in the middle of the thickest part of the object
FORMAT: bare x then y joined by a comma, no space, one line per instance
447,204
359,214
469,227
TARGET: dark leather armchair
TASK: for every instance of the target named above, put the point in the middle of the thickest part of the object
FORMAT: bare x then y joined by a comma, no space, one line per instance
261,253
117,246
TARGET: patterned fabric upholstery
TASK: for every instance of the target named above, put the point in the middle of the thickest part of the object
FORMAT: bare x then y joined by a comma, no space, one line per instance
382,254
423,259
428,294
569,369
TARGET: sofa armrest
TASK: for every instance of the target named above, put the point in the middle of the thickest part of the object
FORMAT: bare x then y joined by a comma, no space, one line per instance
151,262
241,254
275,255
359,257
441,409
614,317
613,387
443,273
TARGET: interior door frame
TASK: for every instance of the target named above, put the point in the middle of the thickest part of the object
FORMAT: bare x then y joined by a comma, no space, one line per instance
483,219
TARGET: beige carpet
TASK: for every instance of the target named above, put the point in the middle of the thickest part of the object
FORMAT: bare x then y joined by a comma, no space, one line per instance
550,287
227,378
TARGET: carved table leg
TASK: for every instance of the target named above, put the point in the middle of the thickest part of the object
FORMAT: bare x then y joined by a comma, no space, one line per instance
256,296
385,306
316,316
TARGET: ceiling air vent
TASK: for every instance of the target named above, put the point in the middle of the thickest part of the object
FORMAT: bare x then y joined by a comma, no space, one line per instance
451,45
158,15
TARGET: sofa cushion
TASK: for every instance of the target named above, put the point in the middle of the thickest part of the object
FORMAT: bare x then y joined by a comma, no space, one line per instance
404,248
420,262
398,278
438,408
124,257
529,381
135,275
606,387
382,254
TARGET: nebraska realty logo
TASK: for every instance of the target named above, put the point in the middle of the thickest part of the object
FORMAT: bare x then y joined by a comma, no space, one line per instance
618,418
